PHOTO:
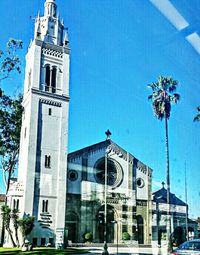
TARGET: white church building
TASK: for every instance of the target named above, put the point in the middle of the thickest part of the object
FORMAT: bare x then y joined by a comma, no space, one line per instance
66,192
45,188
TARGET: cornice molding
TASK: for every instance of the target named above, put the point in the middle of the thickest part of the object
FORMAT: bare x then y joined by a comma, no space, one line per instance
50,95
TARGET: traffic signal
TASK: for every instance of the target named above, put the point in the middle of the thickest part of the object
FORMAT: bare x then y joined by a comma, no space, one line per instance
101,218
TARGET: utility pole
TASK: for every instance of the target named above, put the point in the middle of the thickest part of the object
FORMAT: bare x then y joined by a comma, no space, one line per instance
186,216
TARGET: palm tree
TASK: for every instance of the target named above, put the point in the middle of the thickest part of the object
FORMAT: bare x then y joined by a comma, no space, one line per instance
26,226
163,95
6,213
197,118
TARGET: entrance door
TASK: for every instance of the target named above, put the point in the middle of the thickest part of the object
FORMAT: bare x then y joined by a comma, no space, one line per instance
72,232
71,226
140,224
110,225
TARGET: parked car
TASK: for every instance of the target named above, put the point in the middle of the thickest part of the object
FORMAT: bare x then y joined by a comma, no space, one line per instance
188,248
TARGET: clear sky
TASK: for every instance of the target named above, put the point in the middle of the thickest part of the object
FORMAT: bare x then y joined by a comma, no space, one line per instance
117,48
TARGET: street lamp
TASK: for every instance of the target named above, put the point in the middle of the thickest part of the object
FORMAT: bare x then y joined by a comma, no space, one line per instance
105,246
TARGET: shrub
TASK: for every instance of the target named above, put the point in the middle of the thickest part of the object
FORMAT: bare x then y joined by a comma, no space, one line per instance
126,236
88,237
164,236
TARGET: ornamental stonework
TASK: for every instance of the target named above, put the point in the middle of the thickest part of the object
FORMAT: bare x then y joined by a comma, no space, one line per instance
50,102
51,52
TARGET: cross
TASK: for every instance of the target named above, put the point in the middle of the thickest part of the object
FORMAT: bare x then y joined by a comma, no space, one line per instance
108,134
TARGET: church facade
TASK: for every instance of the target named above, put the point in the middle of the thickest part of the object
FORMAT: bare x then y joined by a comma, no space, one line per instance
128,194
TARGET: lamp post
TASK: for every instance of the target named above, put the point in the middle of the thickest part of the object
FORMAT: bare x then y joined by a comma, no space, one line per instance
105,246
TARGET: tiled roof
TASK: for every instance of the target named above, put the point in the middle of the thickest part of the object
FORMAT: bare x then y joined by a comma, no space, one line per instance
2,197
160,196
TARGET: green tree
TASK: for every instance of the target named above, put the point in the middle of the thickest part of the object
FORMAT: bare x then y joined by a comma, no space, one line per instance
10,127
15,218
10,111
163,95
26,226
197,117
10,61
6,214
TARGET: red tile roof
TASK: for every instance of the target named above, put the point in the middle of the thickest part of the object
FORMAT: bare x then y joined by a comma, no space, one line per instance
2,197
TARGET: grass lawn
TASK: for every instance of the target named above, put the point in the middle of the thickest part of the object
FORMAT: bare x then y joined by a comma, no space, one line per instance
42,251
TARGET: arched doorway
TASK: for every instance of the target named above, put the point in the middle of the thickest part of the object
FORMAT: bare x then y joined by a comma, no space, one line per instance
71,226
140,226
110,225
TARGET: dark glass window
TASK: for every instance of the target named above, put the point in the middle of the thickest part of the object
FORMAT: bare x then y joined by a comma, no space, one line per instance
35,241
50,110
47,78
47,162
16,204
72,175
43,241
51,241
44,206
53,80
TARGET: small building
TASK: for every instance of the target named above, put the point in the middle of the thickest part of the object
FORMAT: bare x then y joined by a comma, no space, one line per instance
177,214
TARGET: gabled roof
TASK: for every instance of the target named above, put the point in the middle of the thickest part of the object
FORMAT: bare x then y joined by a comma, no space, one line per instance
114,148
192,221
160,196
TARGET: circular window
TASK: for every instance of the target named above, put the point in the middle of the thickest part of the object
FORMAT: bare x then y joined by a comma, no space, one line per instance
72,175
140,182
114,172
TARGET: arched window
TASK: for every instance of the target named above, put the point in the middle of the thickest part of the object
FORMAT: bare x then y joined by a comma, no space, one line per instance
53,80
47,78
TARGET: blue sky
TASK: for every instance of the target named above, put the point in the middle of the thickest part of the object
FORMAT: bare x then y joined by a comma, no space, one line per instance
117,48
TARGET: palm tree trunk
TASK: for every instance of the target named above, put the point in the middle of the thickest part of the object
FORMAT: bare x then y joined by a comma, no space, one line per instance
16,237
11,237
168,185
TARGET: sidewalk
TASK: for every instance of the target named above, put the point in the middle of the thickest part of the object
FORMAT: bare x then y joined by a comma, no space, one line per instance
128,251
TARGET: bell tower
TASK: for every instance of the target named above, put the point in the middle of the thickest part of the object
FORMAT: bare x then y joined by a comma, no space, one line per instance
44,134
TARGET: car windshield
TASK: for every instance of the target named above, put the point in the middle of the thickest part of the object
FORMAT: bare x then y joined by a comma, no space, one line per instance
190,246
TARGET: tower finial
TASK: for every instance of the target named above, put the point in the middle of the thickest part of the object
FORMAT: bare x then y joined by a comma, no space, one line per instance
163,185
